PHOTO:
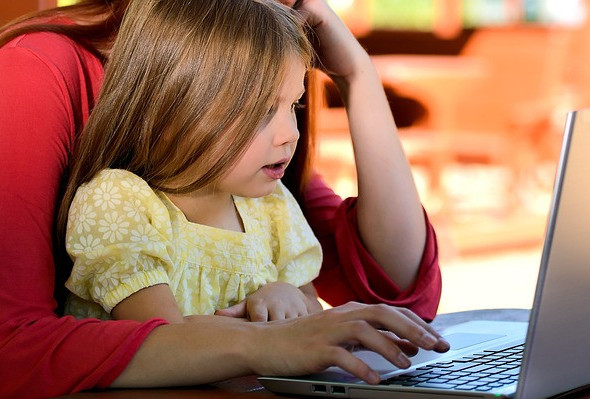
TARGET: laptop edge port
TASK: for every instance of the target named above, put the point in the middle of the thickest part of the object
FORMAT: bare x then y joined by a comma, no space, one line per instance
319,388
338,390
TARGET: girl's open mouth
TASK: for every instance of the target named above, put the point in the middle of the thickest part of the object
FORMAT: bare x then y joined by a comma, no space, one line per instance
275,171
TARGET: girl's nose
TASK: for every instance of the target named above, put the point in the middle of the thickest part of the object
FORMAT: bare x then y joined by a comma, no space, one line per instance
287,133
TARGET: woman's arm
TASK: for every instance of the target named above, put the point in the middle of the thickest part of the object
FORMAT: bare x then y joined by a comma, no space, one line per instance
388,204
42,103
213,348
349,272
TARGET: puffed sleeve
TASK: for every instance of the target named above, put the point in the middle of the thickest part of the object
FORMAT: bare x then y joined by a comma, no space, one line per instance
118,236
349,272
298,252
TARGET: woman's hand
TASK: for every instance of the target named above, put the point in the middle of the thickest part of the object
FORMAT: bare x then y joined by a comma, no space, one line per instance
275,301
341,55
213,348
312,343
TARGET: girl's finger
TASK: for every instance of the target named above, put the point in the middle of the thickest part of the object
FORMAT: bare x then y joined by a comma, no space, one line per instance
277,314
258,312
238,311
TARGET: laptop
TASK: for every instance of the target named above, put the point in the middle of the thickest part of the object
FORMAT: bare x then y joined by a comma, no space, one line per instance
547,356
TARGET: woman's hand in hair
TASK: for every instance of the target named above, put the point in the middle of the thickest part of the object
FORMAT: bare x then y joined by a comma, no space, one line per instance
341,55
275,301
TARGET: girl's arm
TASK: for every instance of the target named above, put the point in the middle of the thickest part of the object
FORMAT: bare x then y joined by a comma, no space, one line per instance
390,217
156,301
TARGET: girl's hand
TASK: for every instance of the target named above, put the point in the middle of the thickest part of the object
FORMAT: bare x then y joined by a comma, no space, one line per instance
312,343
275,301
341,55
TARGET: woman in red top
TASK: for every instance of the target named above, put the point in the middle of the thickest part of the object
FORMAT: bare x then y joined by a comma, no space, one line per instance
378,247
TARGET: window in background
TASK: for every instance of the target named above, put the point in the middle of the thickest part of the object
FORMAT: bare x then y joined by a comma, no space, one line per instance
478,13
424,15
403,15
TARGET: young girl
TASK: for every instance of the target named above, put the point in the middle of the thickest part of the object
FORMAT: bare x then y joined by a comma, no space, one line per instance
183,211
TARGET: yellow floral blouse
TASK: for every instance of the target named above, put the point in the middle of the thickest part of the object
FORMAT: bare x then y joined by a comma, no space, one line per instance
123,236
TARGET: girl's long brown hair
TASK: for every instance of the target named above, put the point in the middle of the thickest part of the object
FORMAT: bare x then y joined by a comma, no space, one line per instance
186,87
96,24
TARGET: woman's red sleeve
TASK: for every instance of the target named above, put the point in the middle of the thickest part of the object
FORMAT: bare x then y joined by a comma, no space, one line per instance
349,272
47,86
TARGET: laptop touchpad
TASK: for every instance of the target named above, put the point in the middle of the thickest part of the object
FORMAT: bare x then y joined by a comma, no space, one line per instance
463,340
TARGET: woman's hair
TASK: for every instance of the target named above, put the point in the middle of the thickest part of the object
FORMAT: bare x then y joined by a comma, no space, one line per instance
93,23
187,85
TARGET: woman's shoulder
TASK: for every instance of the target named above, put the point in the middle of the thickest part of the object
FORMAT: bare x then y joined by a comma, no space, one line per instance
49,45
61,54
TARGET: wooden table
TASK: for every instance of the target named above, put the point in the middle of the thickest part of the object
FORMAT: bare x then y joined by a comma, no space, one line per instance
249,388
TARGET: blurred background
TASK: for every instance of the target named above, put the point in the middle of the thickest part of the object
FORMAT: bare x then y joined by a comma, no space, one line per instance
480,90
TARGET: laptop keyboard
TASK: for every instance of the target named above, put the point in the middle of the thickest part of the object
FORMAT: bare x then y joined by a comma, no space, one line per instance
485,371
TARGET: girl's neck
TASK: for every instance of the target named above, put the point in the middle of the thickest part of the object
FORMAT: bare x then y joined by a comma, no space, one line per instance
210,209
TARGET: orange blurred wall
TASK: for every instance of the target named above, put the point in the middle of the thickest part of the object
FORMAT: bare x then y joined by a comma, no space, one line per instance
10,9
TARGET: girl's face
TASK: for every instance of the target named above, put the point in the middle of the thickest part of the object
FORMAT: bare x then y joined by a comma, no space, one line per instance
264,162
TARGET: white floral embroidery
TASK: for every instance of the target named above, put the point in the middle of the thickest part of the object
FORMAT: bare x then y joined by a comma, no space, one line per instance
85,219
113,227
109,279
145,236
106,196
88,245
297,274
134,209
135,187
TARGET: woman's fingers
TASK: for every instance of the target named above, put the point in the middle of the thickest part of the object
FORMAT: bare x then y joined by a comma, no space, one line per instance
352,364
406,346
399,321
366,335
442,344
312,343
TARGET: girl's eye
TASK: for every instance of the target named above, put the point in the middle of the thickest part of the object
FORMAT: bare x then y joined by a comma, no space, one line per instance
297,105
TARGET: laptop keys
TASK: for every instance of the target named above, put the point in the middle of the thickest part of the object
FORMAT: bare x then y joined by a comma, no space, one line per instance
479,372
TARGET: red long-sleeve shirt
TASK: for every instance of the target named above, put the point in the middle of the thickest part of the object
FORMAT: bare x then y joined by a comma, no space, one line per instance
48,85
